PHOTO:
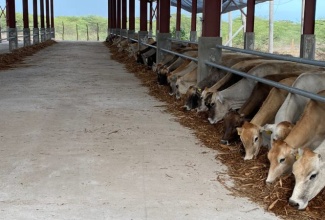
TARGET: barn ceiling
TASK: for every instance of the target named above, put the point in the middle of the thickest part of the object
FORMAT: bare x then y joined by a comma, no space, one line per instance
227,5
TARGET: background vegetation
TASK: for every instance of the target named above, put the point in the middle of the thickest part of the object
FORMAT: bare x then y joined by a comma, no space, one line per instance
286,33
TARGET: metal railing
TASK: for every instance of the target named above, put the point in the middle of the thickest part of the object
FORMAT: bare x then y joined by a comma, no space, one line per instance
243,74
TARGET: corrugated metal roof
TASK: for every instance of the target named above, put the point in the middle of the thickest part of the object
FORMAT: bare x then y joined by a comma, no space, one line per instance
227,5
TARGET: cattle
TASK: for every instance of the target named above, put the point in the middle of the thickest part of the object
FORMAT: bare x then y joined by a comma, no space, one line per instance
193,95
165,70
184,82
309,172
294,104
172,78
251,133
144,51
236,95
308,132
234,119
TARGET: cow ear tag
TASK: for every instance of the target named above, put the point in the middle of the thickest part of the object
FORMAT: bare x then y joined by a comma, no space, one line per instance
268,132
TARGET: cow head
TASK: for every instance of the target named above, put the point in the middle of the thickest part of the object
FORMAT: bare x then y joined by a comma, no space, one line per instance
279,131
203,99
171,79
193,95
231,121
281,157
251,137
139,58
162,75
219,107
309,175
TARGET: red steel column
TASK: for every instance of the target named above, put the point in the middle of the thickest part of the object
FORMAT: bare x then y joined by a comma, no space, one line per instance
151,15
123,14
35,14
309,17
250,16
164,16
143,15
11,13
194,12
42,13
131,14
113,10
211,18
47,6
52,13
178,15
118,13
158,16
25,14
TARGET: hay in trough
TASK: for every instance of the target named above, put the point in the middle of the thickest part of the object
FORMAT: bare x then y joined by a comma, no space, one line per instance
248,176
8,60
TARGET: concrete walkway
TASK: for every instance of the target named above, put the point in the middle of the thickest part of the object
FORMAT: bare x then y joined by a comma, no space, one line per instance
81,139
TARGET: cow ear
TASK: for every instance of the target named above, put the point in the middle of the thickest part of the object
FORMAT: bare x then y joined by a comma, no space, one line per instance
220,99
239,130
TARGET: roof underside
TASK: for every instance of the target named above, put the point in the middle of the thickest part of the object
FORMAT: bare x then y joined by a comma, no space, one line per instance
227,5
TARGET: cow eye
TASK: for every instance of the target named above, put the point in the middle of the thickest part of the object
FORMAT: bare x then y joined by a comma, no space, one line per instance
212,104
313,176
282,160
255,139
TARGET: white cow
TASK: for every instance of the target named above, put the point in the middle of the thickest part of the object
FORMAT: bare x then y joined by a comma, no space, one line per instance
294,104
251,133
308,132
236,95
309,172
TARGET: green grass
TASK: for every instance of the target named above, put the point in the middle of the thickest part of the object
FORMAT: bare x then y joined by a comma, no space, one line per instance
286,33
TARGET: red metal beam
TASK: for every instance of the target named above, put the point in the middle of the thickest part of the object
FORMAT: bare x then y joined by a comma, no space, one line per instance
42,13
164,14
123,14
25,14
194,12
309,17
211,18
35,14
131,14
52,13
143,15
178,15
11,13
118,14
47,6
250,16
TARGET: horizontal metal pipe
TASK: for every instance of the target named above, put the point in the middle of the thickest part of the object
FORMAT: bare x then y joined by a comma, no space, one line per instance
182,41
180,55
274,56
270,82
149,45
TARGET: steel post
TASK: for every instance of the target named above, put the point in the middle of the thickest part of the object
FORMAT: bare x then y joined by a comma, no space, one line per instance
193,36
249,40
13,40
52,20
163,42
43,34
26,33
35,36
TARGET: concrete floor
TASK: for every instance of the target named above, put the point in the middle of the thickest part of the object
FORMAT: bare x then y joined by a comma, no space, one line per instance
81,139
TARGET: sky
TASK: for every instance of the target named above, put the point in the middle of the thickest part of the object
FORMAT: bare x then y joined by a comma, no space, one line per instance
283,9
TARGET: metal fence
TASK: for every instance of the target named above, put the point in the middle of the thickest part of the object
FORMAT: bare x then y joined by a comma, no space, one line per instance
259,79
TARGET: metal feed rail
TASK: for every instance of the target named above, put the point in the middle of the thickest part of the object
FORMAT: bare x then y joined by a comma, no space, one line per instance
180,55
183,41
269,82
274,56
